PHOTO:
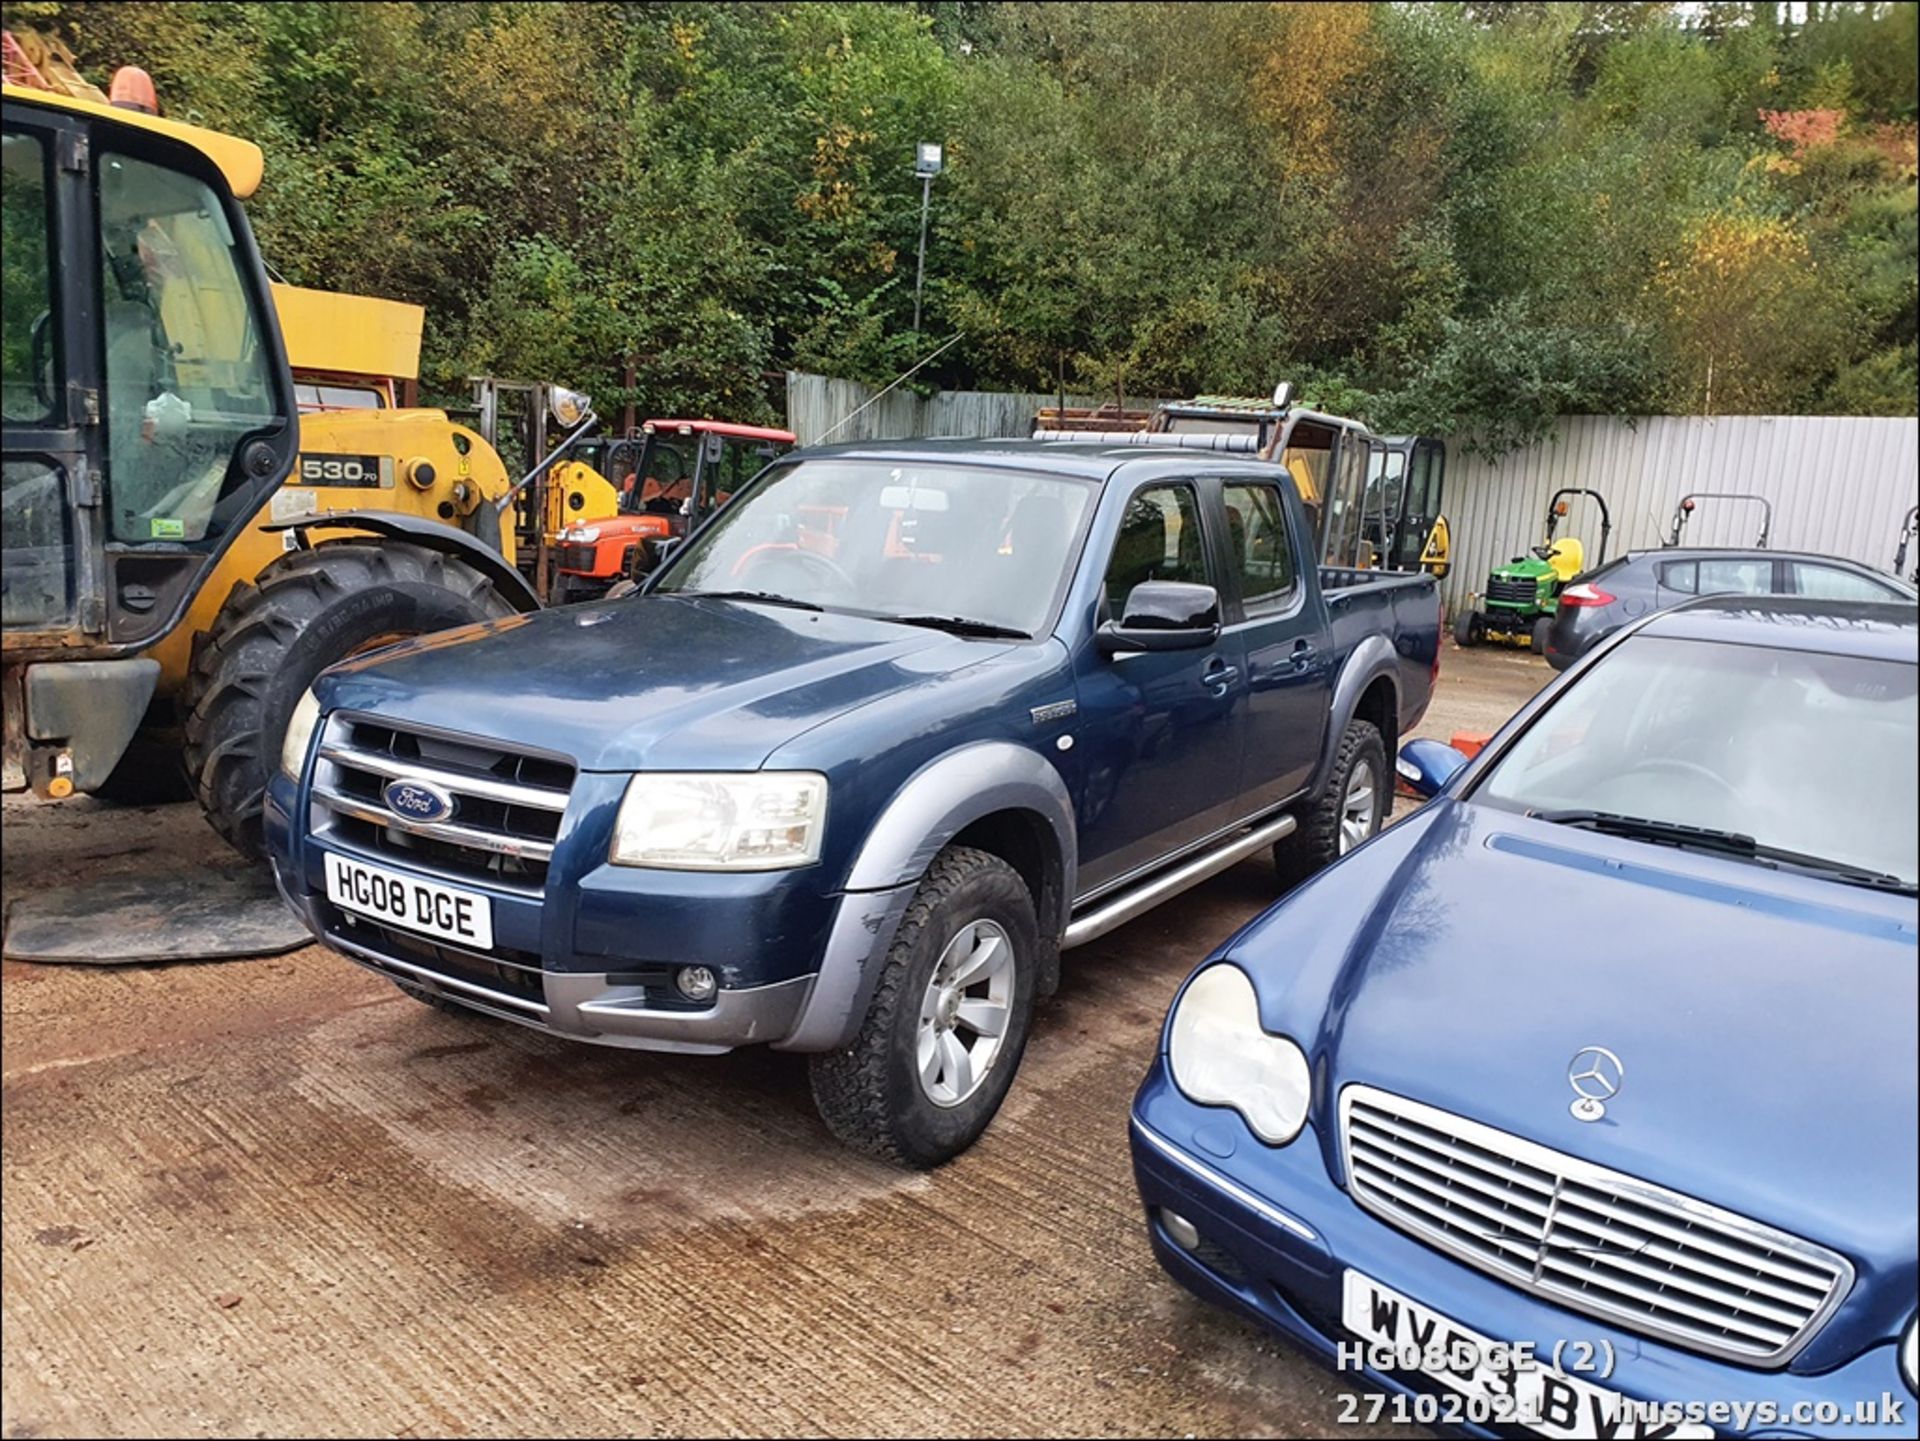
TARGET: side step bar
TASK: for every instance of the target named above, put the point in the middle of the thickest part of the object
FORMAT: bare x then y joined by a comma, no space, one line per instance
1148,894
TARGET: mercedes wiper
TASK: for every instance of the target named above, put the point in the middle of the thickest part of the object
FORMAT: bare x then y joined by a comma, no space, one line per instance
765,597
961,625
1724,842
1645,828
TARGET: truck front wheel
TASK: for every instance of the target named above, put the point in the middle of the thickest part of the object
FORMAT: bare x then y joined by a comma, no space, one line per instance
303,612
1350,809
936,1053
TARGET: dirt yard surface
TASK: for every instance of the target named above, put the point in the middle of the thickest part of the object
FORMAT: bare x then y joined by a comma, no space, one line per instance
275,1196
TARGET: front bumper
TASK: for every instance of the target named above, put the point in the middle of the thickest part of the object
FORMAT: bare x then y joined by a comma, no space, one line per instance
593,957
1277,1236
605,1009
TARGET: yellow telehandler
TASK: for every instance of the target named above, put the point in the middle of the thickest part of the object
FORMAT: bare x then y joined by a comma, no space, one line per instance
209,495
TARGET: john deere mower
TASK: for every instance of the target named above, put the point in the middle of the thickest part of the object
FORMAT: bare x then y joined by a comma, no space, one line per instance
1522,595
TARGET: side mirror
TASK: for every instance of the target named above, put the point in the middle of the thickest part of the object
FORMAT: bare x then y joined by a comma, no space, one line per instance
1283,395
1164,615
568,407
1427,766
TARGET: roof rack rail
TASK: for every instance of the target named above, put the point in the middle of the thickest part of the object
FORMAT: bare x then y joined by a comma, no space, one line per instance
1230,444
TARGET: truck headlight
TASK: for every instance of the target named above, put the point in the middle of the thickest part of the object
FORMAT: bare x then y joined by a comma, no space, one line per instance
1221,1057
720,820
300,726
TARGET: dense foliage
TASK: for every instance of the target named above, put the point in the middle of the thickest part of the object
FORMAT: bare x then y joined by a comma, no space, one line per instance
1447,216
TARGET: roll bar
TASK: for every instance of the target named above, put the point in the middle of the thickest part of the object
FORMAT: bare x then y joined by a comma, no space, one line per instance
1683,512
1606,518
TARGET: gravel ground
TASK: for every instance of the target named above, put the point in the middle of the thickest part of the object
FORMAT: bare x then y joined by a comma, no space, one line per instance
274,1196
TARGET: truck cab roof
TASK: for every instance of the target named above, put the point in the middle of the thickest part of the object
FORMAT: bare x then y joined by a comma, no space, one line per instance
1085,460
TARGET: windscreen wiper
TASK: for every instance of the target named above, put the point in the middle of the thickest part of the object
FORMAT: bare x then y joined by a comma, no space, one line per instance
1645,828
765,597
1732,843
961,625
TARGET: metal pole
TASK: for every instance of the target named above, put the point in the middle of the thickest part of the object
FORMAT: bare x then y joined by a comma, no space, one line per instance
920,271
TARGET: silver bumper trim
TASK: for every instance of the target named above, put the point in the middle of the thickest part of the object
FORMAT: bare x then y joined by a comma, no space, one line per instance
1234,1189
588,1006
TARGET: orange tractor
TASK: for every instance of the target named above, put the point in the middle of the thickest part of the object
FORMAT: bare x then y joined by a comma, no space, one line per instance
670,476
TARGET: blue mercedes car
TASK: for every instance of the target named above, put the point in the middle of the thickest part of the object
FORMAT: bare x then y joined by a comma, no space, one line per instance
1582,1101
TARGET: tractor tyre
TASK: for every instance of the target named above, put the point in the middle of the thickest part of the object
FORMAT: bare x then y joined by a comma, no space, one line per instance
1468,629
301,614
1538,641
150,772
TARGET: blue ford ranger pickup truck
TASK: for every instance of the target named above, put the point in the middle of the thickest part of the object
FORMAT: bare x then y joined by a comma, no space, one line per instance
892,729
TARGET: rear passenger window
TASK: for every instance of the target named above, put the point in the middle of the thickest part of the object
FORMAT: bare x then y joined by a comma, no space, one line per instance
1736,577
1257,541
1159,540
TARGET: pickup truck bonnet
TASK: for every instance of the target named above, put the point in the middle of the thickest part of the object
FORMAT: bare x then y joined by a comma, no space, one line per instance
655,682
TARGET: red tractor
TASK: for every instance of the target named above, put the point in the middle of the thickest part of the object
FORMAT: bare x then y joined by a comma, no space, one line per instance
670,477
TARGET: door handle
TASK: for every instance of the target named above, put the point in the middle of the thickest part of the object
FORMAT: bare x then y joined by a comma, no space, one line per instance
1218,676
1303,655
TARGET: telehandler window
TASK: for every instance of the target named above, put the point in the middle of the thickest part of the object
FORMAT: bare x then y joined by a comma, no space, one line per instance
35,580
187,377
28,324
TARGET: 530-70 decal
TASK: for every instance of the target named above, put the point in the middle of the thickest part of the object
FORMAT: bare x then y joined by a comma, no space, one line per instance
368,471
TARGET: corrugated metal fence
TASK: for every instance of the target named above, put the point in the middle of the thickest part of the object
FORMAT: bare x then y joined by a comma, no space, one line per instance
1839,484
816,404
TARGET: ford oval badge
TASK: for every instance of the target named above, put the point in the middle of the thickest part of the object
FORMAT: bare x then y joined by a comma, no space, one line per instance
417,800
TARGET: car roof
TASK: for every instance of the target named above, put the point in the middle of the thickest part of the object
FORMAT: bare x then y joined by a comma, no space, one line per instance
1878,630
1741,552
1087,460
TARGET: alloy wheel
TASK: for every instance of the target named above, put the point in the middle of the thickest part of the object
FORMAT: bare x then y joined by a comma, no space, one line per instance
965,1012
1358,807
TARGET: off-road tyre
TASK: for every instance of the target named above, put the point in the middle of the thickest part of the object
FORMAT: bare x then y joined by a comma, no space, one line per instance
1537,642
301,614
1315,844
1468,629
869,1093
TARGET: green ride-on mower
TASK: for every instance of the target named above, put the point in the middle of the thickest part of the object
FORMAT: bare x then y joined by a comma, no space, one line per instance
1522,595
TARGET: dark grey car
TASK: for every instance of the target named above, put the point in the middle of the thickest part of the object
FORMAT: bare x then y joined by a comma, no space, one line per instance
1627,587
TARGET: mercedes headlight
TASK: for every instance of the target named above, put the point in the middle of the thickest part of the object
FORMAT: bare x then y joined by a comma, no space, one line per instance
721,820
1221,1057
300,726
1910,1355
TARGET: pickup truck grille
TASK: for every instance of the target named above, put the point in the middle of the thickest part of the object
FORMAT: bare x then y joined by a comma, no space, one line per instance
1512,592
1587,1238
507,804
502,976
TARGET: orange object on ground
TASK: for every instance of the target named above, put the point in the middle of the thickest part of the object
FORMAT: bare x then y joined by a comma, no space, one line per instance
1468,745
